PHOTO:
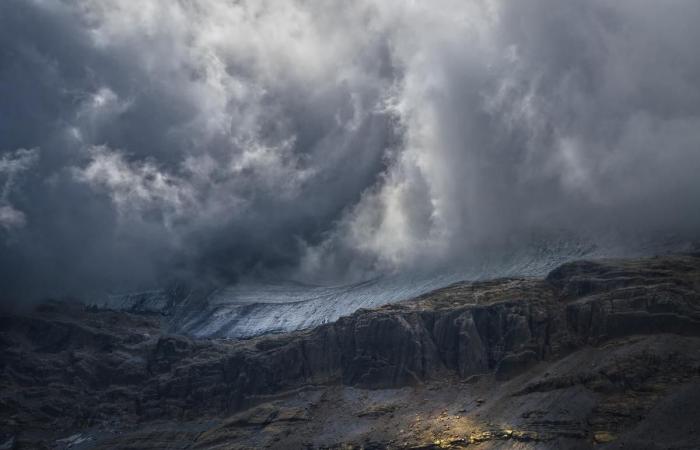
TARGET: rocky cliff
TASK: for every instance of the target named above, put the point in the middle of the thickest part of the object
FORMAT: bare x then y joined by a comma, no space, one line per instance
597,353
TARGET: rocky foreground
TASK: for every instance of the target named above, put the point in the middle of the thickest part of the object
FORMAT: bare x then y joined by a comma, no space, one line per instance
599,354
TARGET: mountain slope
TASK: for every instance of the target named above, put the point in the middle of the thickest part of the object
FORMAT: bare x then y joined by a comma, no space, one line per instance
598,352
250,308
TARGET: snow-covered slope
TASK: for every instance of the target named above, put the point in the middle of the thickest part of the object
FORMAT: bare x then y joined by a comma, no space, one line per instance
250,309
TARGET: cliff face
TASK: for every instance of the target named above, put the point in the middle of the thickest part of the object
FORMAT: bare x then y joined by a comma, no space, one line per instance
613,340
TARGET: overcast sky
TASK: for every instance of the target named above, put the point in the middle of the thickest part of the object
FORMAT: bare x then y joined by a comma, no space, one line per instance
142,141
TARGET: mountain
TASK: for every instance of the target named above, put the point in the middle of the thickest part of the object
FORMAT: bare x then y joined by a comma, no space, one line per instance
253,308
597,354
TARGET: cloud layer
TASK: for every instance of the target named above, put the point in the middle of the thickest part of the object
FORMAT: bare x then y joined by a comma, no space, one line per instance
328,139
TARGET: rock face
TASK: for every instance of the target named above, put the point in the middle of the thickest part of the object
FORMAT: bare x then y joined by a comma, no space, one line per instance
577,359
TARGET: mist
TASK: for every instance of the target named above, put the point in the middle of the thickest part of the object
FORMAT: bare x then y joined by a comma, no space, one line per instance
326,141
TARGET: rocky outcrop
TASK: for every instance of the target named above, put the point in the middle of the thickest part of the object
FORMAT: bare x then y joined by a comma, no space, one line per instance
498,326
67,367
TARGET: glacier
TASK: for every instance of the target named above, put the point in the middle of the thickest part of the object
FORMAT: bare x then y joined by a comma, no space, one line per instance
249,309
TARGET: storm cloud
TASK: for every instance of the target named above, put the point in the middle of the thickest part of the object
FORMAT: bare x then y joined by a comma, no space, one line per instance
328,140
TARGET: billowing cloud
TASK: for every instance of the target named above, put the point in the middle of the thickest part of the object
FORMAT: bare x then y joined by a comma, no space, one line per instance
535,118
331,139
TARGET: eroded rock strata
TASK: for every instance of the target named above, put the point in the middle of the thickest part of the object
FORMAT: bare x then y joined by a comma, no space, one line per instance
600,353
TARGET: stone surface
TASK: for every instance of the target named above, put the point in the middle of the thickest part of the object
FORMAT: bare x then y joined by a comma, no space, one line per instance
592,355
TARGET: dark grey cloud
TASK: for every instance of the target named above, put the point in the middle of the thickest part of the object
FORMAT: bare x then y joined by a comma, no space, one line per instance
155,140
205,139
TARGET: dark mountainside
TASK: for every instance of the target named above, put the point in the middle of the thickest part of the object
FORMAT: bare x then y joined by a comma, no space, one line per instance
600,354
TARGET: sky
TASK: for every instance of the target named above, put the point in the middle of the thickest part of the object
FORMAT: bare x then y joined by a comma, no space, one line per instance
328,140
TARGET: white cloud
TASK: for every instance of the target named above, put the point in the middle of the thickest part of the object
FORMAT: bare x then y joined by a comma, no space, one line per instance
136,188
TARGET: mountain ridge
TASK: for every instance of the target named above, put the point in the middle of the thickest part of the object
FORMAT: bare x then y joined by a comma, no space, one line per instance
616,337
